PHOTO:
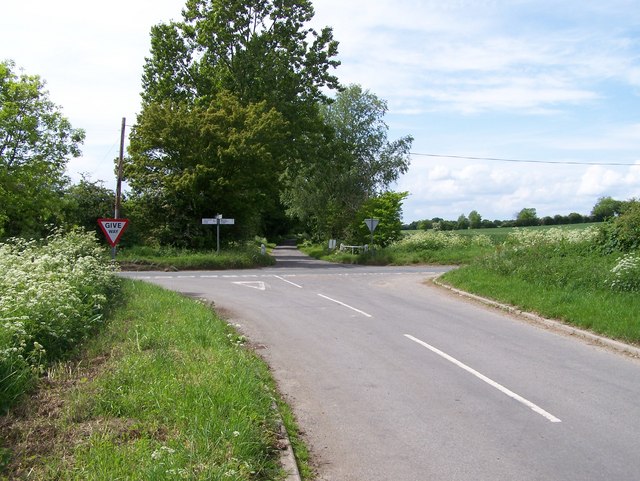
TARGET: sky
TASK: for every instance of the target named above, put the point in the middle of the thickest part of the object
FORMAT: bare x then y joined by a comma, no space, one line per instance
481,85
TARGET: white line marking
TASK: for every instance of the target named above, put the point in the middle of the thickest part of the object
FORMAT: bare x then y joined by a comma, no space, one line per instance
186,277
209,277
484,378
253,284
346,305
288,282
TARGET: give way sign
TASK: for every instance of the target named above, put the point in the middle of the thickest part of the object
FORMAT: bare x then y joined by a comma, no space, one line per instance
113,229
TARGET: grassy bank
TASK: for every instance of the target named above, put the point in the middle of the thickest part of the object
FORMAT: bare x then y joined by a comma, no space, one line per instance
167,391
565,277
168,258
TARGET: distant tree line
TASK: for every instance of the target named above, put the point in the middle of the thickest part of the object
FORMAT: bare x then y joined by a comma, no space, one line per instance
604,209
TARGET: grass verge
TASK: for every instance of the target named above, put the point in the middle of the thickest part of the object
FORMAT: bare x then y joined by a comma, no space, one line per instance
165,392
609,313
147,258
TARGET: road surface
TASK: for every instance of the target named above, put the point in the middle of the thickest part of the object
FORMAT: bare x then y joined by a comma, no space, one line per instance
393,379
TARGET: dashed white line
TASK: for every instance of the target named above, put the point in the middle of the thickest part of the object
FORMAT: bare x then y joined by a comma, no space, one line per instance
499,387
345,305
288,282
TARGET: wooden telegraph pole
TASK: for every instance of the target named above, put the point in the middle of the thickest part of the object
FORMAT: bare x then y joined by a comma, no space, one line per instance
119,180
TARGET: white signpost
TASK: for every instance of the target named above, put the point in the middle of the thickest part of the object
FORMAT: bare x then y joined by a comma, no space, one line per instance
218,221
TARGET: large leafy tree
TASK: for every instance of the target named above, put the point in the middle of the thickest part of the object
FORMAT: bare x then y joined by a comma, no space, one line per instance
260,50
255,59
36,142
356,161
195,162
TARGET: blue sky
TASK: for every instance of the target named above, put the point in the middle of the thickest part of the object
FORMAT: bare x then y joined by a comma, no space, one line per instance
533,80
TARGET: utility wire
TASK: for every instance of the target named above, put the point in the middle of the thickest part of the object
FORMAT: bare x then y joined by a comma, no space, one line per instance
565,162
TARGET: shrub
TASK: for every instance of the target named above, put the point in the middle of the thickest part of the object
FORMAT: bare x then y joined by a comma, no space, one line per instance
623,232
52,295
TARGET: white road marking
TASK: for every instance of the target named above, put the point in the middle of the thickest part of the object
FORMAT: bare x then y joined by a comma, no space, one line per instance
288,282
499,387
346,305
253,284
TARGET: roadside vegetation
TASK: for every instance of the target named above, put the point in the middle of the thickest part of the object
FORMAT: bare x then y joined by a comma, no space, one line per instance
102,378
54,294
166,391
239,256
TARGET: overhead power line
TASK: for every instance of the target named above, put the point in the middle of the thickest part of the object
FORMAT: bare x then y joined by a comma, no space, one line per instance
523,161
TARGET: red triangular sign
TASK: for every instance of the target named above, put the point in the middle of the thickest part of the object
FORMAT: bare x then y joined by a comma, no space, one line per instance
113,229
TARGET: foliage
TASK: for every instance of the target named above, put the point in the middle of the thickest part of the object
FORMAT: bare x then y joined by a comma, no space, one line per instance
622,233
51,296
436,240
86,202
189,163
260,50
149,258
605,208
35,144
258,57
475,220
356,163
387,208
562,274
527,217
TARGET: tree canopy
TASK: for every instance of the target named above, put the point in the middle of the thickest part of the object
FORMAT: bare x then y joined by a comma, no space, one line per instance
36,142
355,162
229,103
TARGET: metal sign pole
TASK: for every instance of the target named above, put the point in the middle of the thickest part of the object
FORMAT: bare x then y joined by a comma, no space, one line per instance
218,217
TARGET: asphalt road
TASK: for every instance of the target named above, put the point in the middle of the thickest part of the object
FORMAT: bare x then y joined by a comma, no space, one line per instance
394,379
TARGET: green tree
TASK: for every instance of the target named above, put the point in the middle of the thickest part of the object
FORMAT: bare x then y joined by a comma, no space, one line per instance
387,208
622,233
354,162
261,54
462,223
260,50
475,220
605,208
36,141
527,217
192,162
86,202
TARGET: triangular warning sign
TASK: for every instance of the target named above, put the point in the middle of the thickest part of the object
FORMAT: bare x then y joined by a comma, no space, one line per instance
113,229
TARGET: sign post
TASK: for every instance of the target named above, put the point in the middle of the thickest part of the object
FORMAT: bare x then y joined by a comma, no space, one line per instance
217,221
113,230
372,224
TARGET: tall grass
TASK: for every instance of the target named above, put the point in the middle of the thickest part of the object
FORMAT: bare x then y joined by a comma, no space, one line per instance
52,295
